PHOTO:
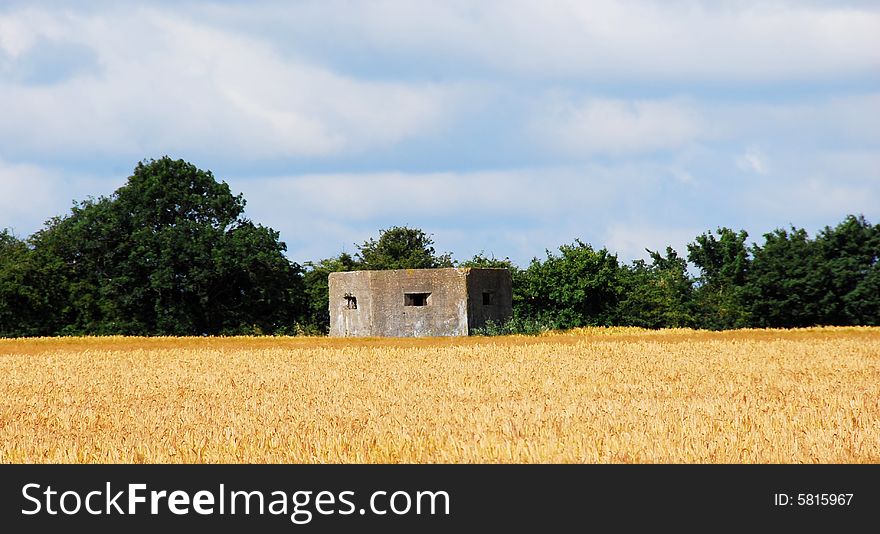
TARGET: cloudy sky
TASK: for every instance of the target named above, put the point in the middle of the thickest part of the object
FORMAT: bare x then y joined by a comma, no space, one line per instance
508,126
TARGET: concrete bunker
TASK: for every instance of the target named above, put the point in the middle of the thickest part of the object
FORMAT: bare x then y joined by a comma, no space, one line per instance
417,302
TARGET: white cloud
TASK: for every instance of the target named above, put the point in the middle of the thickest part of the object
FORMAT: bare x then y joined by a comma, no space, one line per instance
682,95
27,196
681,175
168,84
630,239
584,126
853,163
825,120
198,83
31,194
615,126
752,161
808,189
15,36
368,196
516,213
816,197
756,41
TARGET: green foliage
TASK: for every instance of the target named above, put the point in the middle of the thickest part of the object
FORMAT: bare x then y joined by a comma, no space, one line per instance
400,247
849,254
33,290
169,253
862,304
830,280
724,265
657,295
516,325
786,280
580,287
481,261
14,295
520,323
317,290
22,304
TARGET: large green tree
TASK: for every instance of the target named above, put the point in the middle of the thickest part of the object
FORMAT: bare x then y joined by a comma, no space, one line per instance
401,247
33,289
657,294
850,259
170,252
15,301
579,287
786,280
834,279
724,266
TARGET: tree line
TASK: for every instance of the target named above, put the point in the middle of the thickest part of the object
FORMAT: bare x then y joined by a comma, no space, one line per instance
171,253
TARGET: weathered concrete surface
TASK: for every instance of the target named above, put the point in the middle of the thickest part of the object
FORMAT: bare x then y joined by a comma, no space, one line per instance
417,302
493,286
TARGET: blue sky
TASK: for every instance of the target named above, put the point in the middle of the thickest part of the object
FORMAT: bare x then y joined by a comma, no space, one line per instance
507,127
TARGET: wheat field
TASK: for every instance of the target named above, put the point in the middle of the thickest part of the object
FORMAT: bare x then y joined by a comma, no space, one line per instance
617,395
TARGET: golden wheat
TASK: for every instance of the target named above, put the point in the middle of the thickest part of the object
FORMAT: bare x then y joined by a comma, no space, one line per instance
589,395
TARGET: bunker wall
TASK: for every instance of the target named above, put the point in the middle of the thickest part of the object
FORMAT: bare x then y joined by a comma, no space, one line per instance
490,296
403,303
